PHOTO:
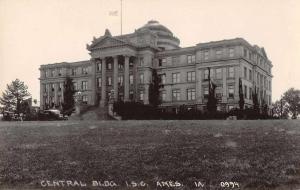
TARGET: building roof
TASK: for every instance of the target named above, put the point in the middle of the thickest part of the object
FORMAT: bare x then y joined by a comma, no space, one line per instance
155,26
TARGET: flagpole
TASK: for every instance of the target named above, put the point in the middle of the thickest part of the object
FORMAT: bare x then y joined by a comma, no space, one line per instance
121,16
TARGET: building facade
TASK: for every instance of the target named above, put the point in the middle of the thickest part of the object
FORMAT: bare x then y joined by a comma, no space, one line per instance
121,67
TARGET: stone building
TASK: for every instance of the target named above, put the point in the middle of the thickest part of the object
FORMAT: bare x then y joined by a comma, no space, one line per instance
123,65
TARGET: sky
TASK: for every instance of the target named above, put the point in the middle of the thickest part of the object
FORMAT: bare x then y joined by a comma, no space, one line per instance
35,32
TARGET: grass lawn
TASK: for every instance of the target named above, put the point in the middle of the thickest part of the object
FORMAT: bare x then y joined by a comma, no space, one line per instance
254,154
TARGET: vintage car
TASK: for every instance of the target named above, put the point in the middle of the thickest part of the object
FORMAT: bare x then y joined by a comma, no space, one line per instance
52,114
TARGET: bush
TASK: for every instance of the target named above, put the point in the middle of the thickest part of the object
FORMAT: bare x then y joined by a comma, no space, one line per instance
135,110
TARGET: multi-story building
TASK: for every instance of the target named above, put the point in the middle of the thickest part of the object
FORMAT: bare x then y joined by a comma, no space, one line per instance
124,64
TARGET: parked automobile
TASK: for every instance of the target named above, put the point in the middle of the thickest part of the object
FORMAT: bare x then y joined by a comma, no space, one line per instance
8,116
51,114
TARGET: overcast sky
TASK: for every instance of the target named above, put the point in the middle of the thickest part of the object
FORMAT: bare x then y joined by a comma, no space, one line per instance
35,32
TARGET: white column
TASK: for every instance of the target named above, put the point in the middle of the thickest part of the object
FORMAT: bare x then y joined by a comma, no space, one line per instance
103,85
224,74
126,79
116,78
62,91
237,76
93,82
147,77
55,93
48,94
42,96
199,85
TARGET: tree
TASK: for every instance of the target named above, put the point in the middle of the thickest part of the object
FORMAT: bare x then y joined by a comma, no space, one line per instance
212,100
69,101
241,95
154,87
292,98
280,109
255,101
14,96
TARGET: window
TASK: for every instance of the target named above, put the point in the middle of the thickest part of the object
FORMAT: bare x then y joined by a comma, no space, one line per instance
45,87
59,97
270,85
261,80
191,94
245,92
219,92
109,81
231,91
120,65
176,77
245,53
219,53
75,86
120,80
191,76
99,82
142,78
61,84
250,74
141,95
231,52
163,78
174,60
250,93
79,69
130,79
164,61
205,92
52,73
205,74
163,95
59,71
219,73
260,62
141,61
176,95
84,99
99,66
131,95
245,72
52,87
84,70
73,71
47,73
206,55
231,72
109,66
84,85
191,59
